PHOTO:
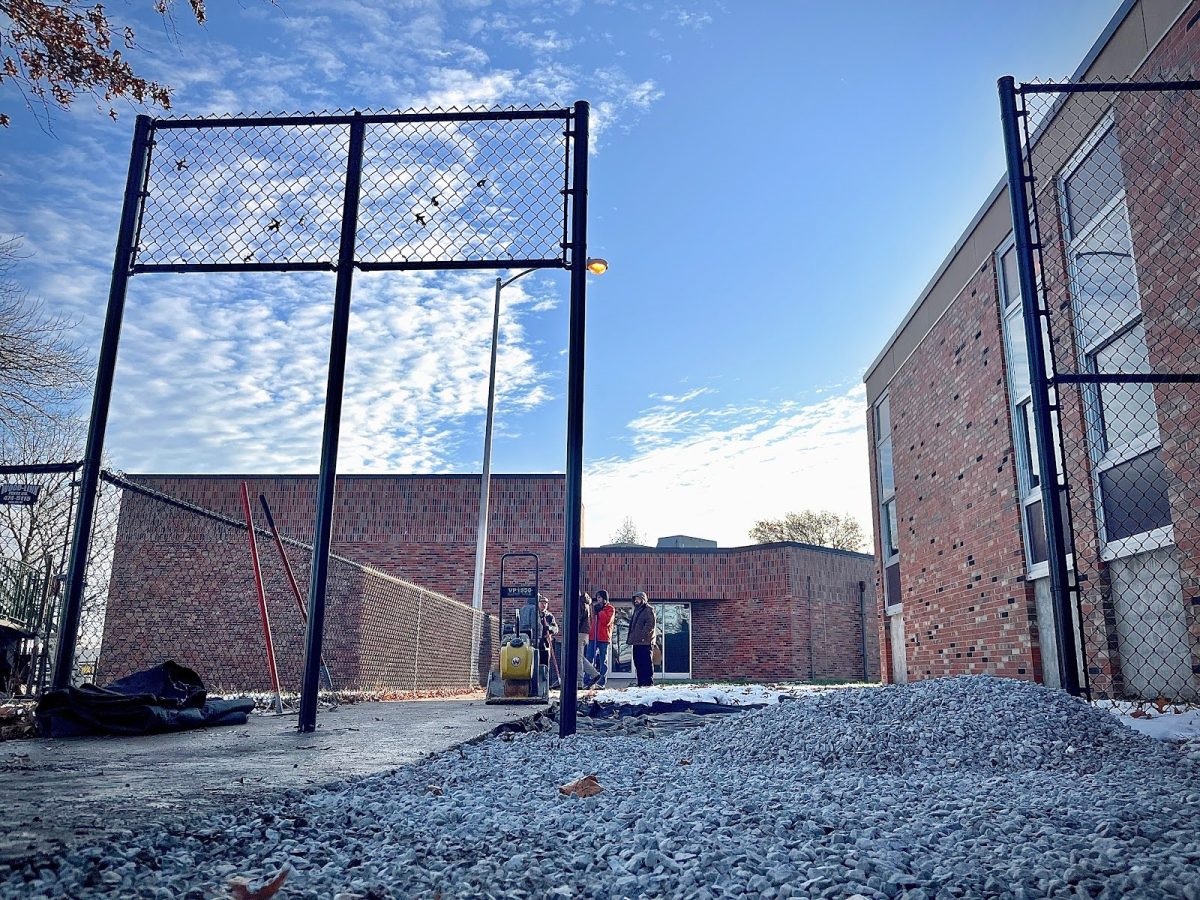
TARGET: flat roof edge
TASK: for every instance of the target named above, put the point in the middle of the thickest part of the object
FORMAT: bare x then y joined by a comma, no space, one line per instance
642,551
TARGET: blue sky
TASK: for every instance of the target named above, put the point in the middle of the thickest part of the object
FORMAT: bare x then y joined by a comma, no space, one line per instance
772,182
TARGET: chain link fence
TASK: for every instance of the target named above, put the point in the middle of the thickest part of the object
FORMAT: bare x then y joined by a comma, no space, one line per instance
35,537
401,191
169,579
1114,176
437,189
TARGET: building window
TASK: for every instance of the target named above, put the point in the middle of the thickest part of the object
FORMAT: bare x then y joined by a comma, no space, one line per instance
1020,394
1122,419
888,519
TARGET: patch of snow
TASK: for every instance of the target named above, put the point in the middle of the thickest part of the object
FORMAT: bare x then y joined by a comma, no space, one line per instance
1161,721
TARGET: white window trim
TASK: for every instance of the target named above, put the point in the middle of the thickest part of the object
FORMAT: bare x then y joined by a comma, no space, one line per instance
885,497
1027,493
1154,539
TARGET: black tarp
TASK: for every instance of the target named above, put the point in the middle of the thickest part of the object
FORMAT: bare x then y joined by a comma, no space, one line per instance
646,719
168,697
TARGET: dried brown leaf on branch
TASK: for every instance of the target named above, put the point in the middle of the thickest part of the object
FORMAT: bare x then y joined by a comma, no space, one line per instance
51,51
587,786
239,888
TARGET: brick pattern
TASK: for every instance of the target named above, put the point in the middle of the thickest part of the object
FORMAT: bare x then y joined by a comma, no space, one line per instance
967,608
182,586
753,614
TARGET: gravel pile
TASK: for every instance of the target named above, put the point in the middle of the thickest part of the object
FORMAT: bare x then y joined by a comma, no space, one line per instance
963,787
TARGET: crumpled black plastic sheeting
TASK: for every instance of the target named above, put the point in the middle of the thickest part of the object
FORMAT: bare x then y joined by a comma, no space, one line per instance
631,718
167,697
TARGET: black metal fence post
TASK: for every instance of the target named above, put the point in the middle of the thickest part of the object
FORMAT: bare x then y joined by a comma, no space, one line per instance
327,482
89,484
1064,620
574,498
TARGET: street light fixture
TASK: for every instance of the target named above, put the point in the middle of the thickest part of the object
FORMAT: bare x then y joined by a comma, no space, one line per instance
596,266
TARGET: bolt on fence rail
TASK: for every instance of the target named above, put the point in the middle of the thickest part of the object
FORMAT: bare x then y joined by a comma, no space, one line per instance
1105,182
393,191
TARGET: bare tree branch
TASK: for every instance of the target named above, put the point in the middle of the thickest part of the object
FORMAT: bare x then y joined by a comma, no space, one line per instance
52,51
43,370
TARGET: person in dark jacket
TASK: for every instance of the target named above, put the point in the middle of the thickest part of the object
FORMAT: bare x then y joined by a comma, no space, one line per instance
641,638
587,672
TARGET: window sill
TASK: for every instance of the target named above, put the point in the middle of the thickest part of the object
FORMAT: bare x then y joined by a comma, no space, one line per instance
894,610
1155,539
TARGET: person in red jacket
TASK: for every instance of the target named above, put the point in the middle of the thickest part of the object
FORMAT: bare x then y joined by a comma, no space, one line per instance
600,638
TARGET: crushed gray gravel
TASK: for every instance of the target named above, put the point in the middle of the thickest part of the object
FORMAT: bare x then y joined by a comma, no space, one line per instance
959,787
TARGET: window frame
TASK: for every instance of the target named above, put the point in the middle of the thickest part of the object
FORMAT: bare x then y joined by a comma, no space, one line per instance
1024,443
1101,456
887,500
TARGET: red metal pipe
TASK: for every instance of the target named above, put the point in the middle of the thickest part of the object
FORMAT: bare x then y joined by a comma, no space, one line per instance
262,599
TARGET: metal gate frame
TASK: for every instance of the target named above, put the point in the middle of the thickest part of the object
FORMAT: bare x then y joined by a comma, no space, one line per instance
1021,135
573,257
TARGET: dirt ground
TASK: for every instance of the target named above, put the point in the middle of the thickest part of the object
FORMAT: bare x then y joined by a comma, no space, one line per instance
58,792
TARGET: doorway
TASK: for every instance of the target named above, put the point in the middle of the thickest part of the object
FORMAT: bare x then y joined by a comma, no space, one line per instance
674,627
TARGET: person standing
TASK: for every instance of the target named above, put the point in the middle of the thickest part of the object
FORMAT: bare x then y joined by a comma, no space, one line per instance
601,638
587,672
546,642
641,638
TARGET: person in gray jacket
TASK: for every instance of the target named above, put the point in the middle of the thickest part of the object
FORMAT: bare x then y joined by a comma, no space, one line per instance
641,638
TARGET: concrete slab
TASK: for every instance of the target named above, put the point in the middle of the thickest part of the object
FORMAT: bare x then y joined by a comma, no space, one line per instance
59,792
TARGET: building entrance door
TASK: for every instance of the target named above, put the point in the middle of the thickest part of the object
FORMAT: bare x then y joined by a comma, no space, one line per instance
674,627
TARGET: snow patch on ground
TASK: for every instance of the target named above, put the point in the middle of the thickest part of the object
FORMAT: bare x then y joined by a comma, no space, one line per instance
1161,721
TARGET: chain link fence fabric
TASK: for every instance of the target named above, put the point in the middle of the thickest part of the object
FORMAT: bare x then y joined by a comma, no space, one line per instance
1114,175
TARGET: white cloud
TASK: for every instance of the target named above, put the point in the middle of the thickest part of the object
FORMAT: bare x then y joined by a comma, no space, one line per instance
714,472
234,378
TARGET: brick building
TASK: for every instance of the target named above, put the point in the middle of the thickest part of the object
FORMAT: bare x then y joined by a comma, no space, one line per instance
182,586
960,539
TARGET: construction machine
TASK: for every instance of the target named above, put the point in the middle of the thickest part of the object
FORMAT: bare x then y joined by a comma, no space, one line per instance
520,678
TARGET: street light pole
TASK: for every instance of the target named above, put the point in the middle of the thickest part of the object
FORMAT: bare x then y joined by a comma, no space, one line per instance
596,267
485,487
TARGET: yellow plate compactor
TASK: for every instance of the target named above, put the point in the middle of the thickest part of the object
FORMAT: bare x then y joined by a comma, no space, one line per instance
520,678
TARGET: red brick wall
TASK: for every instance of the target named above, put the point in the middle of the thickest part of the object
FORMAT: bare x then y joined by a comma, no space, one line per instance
751,609
967,608
182,585
182,588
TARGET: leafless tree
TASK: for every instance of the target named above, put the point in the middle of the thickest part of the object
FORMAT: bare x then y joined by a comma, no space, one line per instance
43,369
822,528
35,534
627,534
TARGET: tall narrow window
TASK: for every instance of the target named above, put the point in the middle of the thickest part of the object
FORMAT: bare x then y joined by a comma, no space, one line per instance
1016,354
888,519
